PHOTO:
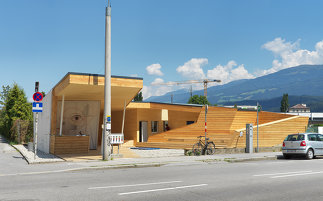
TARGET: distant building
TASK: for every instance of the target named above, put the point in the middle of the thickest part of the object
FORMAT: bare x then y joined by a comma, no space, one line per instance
243,107
299,108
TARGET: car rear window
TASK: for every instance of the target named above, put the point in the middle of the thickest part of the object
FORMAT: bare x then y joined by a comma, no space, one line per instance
295,137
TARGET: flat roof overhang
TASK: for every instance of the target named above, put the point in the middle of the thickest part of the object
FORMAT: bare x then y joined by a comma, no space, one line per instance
80,86
167,106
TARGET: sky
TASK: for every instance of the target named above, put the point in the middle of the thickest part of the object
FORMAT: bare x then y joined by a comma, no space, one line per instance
159,41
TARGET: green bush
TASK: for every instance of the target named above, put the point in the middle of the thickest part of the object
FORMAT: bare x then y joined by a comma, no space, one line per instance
15,107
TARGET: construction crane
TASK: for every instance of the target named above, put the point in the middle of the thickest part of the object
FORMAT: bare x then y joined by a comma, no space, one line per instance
204,81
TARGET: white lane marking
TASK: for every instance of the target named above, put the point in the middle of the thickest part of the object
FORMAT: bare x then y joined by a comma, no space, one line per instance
162,189
261,175
104,187
65,170
43,172
293,175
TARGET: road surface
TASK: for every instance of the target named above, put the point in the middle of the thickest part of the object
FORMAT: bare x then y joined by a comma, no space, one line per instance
295,179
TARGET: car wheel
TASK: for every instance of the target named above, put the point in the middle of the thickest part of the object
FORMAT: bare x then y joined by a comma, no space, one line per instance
286,156
310,154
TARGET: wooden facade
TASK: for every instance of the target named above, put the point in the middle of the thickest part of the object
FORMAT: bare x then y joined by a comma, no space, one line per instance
88,87
178,116
224,126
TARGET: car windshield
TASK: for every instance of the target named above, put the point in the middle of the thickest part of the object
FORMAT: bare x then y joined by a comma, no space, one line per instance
295,137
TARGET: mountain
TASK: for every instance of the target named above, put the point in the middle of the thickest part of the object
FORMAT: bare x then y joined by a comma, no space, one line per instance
300,81
273,104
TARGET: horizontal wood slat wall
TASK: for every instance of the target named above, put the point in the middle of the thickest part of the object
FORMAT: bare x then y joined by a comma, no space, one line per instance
273,134
71,144
224,125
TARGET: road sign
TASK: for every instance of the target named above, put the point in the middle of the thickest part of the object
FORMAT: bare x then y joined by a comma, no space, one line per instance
37,107
38,97
259,108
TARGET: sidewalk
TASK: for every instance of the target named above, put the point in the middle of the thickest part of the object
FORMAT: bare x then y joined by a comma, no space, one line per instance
4,146
12,163
20,167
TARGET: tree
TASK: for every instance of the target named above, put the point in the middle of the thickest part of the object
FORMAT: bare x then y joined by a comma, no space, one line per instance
4,95
138,97
201,100
284,105
14,107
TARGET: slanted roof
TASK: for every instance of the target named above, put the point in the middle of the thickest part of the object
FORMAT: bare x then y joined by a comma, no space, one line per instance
84,86
299,106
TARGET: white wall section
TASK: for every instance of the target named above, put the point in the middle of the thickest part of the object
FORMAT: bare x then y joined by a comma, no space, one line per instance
44,121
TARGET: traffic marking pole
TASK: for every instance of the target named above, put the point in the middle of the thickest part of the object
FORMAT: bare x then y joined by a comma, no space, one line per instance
37,107
206,108
35,136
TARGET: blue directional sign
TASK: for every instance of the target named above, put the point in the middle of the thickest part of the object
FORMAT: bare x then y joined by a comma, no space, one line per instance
37,107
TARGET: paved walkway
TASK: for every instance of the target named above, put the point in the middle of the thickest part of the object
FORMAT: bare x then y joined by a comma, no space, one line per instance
4,146
12,162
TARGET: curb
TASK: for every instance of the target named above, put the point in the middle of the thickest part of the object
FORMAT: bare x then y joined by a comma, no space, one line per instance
31,160
250,159
142,165
158,164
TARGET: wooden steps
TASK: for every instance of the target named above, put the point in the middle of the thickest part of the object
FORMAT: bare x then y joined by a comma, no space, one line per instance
169,145
224,126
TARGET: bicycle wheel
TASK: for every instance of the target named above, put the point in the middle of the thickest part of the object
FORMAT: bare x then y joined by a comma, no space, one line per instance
197,149
210,150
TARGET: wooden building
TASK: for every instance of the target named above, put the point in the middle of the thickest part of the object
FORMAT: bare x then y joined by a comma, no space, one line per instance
72,118
73,112
226,127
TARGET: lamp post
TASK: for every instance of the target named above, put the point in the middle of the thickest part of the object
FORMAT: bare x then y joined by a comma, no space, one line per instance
107,87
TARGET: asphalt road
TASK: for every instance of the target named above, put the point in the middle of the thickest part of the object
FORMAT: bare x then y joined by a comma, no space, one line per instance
295,179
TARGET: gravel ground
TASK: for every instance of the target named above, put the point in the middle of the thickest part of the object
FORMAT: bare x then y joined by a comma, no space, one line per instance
40,158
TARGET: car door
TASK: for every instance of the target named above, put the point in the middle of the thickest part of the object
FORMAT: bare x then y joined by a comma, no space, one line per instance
320,142
312,139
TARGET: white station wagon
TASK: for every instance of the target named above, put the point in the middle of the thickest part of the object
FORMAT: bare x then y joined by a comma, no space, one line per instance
307,144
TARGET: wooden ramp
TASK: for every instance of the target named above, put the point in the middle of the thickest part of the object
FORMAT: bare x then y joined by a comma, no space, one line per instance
224,126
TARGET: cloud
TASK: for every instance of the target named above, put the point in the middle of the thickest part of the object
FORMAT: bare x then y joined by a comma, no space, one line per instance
158,81
156,90
289,55
154,69
229,72
278,46
148,91
193,68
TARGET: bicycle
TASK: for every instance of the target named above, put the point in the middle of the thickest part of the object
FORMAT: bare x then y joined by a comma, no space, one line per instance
203,148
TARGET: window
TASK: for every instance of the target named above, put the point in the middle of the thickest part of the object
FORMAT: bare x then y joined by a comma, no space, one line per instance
294,137
319,137
154,126
312,137
165,126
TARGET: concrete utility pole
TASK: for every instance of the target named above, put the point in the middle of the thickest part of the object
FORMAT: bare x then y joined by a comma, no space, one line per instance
107,87
257,127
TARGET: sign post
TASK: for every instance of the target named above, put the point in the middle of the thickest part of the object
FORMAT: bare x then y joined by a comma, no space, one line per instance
205,132
258,110
37,107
